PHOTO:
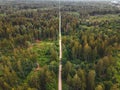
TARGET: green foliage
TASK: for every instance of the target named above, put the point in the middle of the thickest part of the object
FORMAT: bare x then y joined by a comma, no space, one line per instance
29,46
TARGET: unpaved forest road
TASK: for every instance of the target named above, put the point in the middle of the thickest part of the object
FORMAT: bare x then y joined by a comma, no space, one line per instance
60,53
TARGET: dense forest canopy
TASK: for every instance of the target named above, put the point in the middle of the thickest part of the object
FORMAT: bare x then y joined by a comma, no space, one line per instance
29,46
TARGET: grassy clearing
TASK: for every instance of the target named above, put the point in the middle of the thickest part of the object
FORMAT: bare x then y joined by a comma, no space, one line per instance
42,44
2,15
43,49
73,13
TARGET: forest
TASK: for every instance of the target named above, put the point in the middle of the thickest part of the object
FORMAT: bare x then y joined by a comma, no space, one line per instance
29,45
